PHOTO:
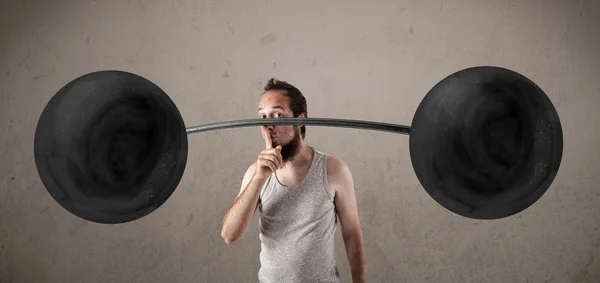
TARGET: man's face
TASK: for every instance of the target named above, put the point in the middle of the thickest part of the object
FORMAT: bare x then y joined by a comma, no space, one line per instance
273,104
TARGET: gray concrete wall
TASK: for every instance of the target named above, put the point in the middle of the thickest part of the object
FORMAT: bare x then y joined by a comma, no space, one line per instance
349,58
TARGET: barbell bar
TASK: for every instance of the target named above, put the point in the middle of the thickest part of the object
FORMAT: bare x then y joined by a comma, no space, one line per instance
485,143
324,122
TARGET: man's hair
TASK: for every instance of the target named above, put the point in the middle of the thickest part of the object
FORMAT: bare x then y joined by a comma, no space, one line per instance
297,100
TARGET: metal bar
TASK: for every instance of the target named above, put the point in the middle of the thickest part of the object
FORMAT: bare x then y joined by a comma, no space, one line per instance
326,122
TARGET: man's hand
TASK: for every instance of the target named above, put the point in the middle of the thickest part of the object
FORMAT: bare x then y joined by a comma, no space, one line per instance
269,160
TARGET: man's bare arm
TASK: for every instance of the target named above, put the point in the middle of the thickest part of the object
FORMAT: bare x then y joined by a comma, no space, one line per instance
340,178
237,218
239,215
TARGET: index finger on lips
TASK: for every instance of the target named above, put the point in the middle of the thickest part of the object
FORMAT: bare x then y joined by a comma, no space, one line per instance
266,137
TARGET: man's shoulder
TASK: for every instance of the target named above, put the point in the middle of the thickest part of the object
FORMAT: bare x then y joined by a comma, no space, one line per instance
336,166
339,177
335,162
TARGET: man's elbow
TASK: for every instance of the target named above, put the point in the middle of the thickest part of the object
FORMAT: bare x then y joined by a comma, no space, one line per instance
228,238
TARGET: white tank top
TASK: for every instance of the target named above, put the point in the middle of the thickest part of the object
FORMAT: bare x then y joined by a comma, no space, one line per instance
297,228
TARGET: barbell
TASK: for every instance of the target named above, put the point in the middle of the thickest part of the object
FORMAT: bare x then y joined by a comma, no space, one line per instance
485,143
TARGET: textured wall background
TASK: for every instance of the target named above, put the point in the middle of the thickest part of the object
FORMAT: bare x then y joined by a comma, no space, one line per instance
364,60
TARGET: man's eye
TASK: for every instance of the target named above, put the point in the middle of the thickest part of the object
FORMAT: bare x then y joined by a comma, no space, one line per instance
276,115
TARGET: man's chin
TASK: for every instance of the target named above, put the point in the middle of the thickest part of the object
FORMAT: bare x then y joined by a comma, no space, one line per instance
275,144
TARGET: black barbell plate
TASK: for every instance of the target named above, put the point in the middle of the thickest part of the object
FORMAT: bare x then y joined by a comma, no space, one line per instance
486,142
110,147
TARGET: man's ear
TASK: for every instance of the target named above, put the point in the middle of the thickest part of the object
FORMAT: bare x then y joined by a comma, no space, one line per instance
303,115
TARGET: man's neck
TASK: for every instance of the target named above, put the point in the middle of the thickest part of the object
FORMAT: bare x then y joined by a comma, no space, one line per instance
304,155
